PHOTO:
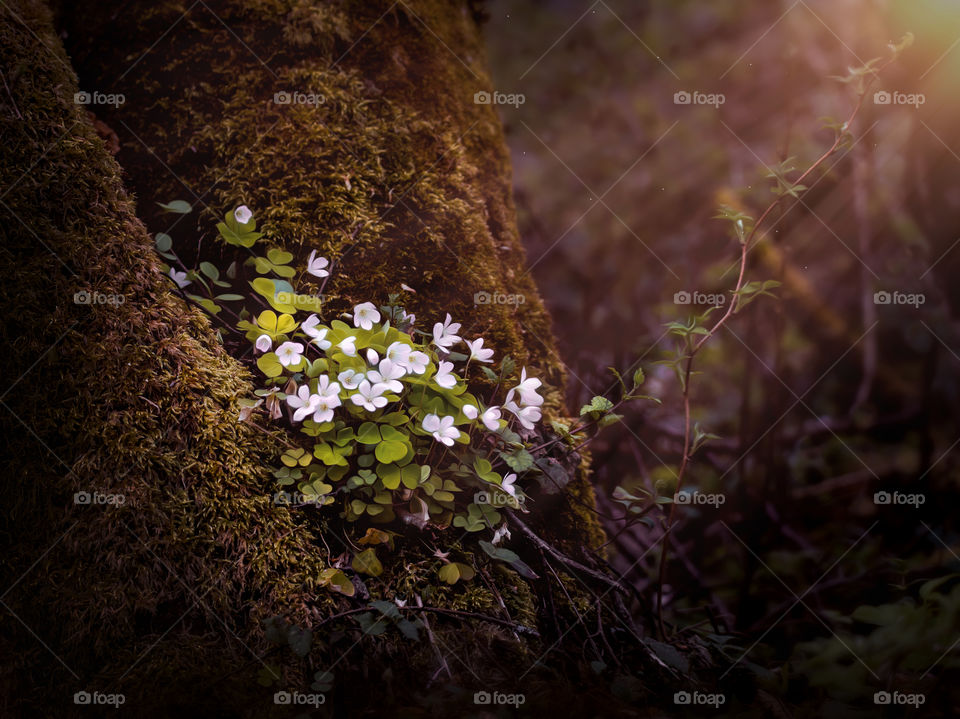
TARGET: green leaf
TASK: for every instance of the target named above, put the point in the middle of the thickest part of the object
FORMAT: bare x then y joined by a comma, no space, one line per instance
505,555
163,241
179,206
270,289
519,461
390,475
638,377
337,581
299,640
270,365
455,571
366,562
597,404
368,433
390,451
210,270
279,257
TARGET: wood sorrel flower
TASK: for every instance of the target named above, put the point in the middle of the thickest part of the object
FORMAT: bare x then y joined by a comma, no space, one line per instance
441,428
316,265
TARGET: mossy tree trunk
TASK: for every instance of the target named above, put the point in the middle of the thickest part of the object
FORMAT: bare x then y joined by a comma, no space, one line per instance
398,177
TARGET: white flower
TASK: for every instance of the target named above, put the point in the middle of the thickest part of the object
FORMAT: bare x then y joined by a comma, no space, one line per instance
326,388
369,396
328,399
324,408
500,533
507,485
388,375
526,415
304,403
398,352
443,376
372,357
290,353
470,411
317,336
242,214
264,343
348,346
491,418
477,352
417,362
364,315
441,428
316,264
527,390
406,318
350,378
445,334
179,277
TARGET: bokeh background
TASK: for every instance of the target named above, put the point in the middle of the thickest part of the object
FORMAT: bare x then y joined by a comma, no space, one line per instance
822,397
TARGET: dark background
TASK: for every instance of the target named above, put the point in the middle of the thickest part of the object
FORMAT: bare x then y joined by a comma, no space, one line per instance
821,397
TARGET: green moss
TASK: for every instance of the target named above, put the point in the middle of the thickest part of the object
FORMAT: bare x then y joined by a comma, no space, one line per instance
139,399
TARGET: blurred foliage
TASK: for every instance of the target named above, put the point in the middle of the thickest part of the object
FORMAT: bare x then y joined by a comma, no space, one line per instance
822,397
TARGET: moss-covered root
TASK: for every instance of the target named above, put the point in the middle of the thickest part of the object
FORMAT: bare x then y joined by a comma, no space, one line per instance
128,402
162,597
